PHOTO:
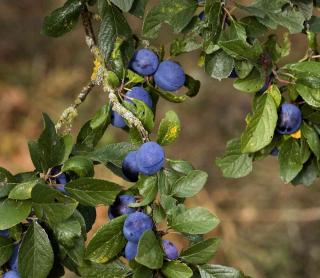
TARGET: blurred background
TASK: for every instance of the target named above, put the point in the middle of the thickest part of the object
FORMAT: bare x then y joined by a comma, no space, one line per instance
268,229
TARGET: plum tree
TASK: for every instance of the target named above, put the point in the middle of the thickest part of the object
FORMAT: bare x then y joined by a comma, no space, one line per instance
169,76
290,119
170,250
130,250
150,158
120,206
144,62
52,226
130,167
135,225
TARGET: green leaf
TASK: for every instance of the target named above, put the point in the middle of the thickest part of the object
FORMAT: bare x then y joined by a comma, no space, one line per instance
309,95
167,95
150,252
175,269
194,221
261,127
193,86
134,77
176,13
243,68
111,153
124,5
276,51
113,269
89,214
113,26
187,43
68,231
93,192
93,130
142,111
234,163
239,49
180,166
13,212
308,174
35,254
169,129
201,252
22,191
219,65
290,160
312,138
219,271
6,249
148,189
306,73
5,176
76,252
107,242
49,150
62,20
252,83
79,165
254,28
142,272
281,12
213,27
190,185
51,205
274,91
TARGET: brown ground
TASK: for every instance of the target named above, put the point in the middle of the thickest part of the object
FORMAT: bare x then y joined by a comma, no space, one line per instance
269,229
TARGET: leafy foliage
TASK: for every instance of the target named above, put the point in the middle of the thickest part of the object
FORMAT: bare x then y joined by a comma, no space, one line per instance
53,207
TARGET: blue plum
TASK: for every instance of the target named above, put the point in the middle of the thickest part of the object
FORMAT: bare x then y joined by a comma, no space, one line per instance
289,119
135,225
140,94
170,250
117,120
130,168
11,274
144,62
131,250
170,76
120,206
4,233
13,262
150,158
60,180
202,16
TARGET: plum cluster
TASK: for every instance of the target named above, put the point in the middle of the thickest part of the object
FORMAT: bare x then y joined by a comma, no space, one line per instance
147,160
13,261
167,75
135,225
